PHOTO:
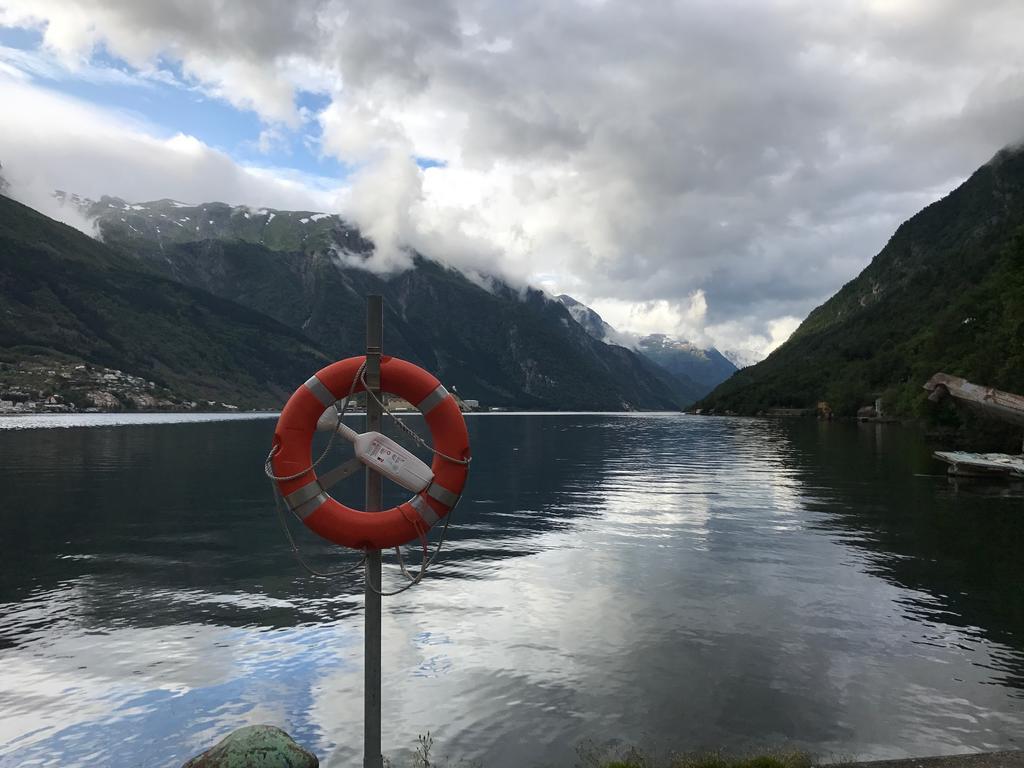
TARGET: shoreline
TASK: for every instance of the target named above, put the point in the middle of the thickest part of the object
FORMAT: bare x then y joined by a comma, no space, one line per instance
1001,759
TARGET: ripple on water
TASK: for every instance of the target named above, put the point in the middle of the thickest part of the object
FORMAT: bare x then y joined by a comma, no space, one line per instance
661,579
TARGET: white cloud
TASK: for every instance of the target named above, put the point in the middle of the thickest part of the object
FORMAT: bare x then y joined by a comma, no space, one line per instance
683,319
755,154
43,64
243,53
270,140
383,198
35,193
780,329
736,334
49,141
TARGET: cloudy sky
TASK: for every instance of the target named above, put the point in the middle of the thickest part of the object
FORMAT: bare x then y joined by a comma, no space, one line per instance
709,168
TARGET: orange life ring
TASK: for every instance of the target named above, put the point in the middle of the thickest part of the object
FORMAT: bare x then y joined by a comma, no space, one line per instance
293,453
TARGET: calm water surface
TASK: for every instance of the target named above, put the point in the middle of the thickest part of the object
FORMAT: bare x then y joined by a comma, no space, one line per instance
663,580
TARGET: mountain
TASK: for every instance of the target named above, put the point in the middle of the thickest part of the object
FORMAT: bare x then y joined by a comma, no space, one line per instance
698,370
502,346
946,293
72,305
707,367
156,226
742,358
591,322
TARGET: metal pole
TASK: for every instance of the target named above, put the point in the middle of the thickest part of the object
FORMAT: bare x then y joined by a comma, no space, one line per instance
371,692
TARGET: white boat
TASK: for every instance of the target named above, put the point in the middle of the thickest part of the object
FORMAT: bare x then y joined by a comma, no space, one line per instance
963,464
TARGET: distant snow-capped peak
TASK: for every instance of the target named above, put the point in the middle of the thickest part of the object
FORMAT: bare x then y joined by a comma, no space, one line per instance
742,358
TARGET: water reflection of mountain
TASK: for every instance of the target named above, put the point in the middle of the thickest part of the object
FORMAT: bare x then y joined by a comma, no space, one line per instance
166,523
879,489
161,524
672,581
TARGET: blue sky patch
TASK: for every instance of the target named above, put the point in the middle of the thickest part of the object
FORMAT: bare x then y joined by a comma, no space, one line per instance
20,37
174,103
431,162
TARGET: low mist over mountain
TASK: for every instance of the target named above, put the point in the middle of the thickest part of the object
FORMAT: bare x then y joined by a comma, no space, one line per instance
699,370
945,294
742,358
708,367
591,322
300,272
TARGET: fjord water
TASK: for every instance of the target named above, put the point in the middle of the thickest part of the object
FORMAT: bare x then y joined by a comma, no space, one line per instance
662,580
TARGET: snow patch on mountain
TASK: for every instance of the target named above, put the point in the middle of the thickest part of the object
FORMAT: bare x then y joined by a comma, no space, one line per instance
591,322
702,367
742,358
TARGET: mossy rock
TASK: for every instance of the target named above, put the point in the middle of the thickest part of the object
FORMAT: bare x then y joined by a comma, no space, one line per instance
255,746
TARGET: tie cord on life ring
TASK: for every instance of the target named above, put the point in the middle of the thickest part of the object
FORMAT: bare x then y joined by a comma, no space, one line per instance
294,470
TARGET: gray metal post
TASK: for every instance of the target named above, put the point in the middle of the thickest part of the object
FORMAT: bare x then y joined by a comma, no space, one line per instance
371,693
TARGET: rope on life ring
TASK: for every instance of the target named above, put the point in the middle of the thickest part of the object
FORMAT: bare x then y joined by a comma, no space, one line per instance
291,466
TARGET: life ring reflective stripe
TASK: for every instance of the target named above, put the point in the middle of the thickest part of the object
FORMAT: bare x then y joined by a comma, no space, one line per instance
306,495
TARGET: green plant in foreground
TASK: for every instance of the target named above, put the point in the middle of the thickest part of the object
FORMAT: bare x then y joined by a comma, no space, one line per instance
421,757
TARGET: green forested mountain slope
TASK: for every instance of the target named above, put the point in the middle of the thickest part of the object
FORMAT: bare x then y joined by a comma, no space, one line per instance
498,345
67,297
230,319
945,294
159,224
